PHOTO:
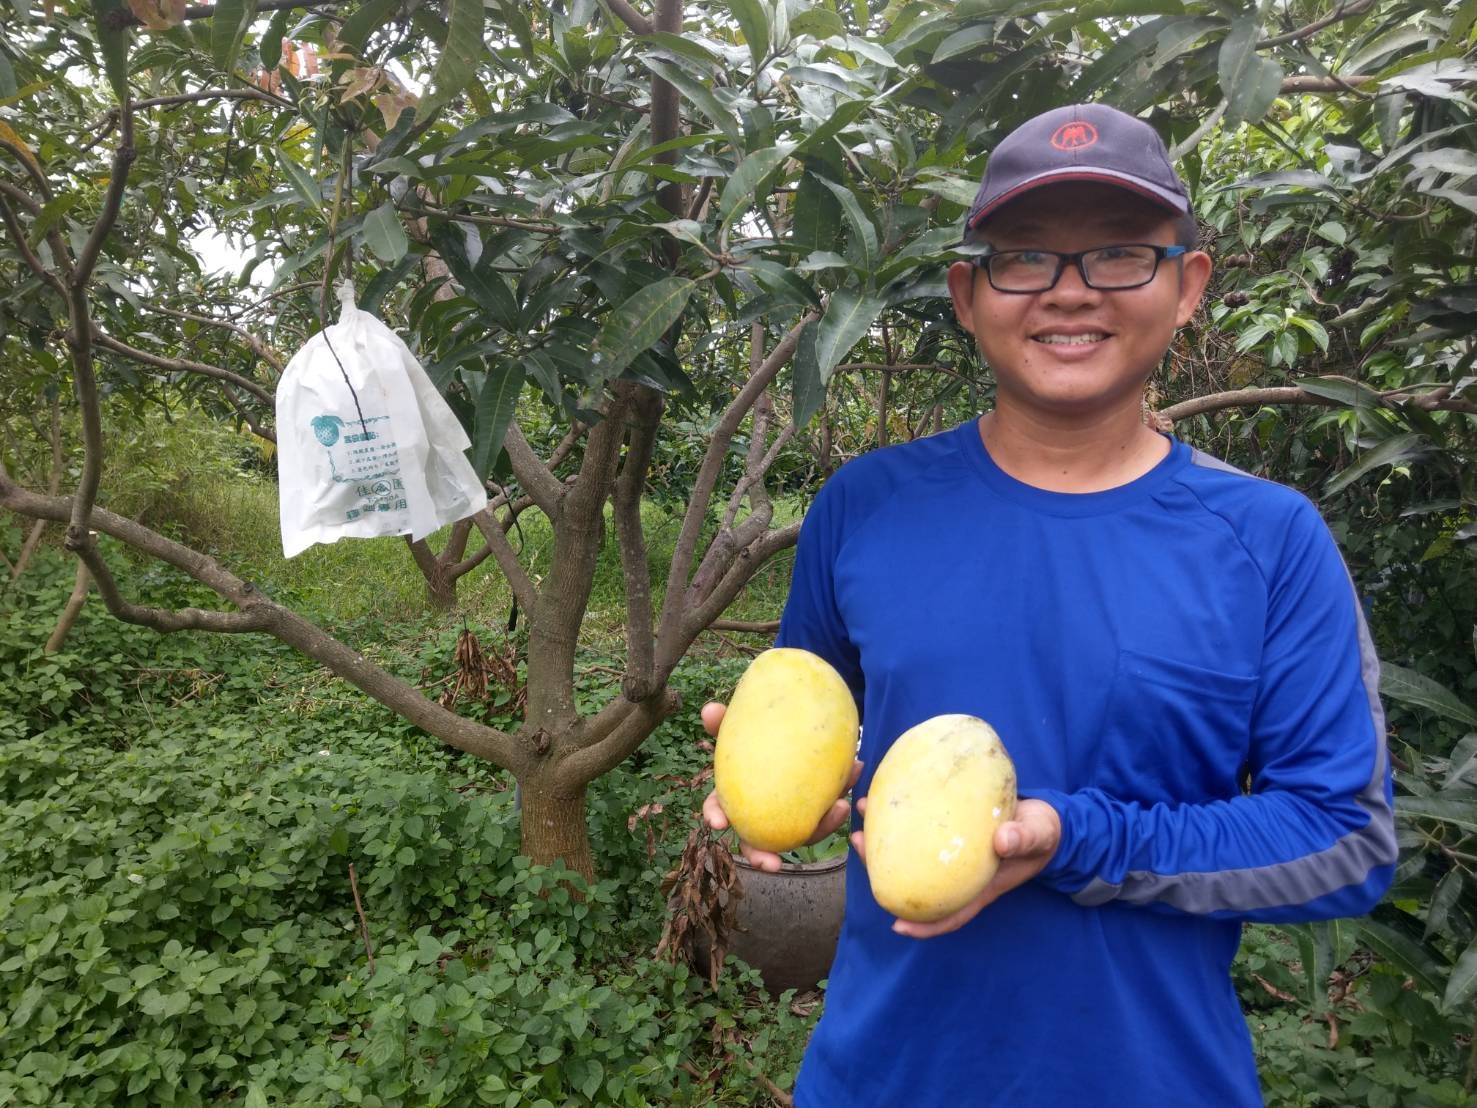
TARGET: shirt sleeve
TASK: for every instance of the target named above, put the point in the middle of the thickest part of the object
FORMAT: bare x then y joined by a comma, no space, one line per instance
812,618
1314,838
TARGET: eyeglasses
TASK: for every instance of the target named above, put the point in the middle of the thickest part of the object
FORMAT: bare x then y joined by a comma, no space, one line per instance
1108,268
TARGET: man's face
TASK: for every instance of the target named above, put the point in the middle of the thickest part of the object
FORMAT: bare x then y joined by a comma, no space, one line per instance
1074,350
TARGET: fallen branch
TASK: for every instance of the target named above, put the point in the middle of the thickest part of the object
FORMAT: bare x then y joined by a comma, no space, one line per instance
363,923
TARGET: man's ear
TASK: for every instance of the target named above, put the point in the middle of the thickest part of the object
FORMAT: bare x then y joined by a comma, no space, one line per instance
1194,276
961,291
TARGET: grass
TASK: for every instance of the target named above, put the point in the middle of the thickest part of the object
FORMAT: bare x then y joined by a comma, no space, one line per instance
203,484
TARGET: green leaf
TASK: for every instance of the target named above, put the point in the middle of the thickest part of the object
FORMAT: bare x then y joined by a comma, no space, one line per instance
228,23
460,55
964,41
1448,893
1345,391
113,44
255,1097
738,191
1462,983
1402,952
496,406
301,180
1463,760
370,17
753,21
816,220
861,245
843,117
1315,330
848,317
1410,687
487,289
1390,452
818,22
1249,81
700,97
384,235
270,46
1459,813
638,323
808,391
422,1009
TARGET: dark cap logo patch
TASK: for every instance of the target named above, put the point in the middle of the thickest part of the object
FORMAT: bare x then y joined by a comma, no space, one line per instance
1074,136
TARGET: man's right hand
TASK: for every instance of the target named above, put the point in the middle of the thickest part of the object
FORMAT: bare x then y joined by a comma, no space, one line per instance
716,818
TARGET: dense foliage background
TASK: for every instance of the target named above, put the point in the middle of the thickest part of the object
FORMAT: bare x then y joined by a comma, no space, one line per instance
725,225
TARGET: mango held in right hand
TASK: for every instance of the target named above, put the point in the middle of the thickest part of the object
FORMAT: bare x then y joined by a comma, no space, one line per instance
932,810
785,748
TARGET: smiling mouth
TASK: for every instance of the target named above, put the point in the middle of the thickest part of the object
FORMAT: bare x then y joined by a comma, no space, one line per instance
1070,340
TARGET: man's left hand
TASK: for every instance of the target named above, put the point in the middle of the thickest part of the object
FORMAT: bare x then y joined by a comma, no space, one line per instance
1025,844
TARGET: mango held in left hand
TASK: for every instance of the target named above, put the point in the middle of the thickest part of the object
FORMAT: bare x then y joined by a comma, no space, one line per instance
932,810
785,748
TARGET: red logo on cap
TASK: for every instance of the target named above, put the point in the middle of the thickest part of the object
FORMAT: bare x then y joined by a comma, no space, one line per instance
1074,136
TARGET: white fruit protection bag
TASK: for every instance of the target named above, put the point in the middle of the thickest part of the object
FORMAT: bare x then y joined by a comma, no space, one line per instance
366,446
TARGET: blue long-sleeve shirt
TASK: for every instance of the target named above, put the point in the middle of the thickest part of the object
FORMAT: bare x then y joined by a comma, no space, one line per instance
1142,652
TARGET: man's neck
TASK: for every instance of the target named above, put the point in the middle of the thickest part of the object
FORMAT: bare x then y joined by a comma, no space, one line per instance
1071,457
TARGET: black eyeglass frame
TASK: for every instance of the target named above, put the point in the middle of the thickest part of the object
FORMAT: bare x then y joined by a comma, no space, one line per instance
1064,260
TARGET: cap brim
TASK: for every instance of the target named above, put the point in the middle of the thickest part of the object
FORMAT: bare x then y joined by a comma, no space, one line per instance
1149,191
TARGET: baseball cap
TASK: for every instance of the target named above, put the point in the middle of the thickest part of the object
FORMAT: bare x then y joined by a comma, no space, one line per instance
1079,142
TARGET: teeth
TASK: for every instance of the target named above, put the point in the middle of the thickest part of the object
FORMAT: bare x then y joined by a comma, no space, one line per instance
1071,340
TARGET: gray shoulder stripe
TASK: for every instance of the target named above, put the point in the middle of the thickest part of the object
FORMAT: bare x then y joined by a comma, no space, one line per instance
1210,461
1346,862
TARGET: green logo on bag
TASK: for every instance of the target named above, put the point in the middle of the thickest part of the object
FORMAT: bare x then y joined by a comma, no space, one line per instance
325,428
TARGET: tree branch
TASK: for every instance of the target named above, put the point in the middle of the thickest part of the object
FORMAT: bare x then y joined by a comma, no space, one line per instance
630,16
258,347
739,574
18,238
507,558
610,737
1326,84
112,203
287,626
702,492
1291,394
1342,12
181,365
535,477
163,619
646,406
122,17
216,94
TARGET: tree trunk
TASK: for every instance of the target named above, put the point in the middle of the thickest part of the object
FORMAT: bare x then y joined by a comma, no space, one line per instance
70,611
554,829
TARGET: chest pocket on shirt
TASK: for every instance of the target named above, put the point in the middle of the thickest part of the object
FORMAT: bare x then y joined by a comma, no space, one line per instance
1173,732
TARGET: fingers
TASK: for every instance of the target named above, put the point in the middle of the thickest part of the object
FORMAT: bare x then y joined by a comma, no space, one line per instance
760,859
856,773
712,716
859,846
861,806
713,814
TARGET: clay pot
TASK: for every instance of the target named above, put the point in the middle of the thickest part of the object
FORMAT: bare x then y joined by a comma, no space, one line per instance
789,922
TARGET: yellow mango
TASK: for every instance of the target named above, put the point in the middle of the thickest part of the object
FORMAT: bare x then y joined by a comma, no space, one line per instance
785,747
932,809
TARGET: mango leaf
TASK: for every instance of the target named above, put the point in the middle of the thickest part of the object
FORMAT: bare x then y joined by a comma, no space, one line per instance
301,180
843,117
808,390
738,192
1463,761
114,45
1459,813
270,46
753,21
228,25
848,317
369,18
964,41
1249,81
487,289
1410,687
384,235
699,96
1462,983
1401,951
496,404
1390,452
1346,391
640,321
1448,893
460,54
862,243
816,218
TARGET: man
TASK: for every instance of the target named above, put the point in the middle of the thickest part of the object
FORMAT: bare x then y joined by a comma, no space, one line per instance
1170,649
